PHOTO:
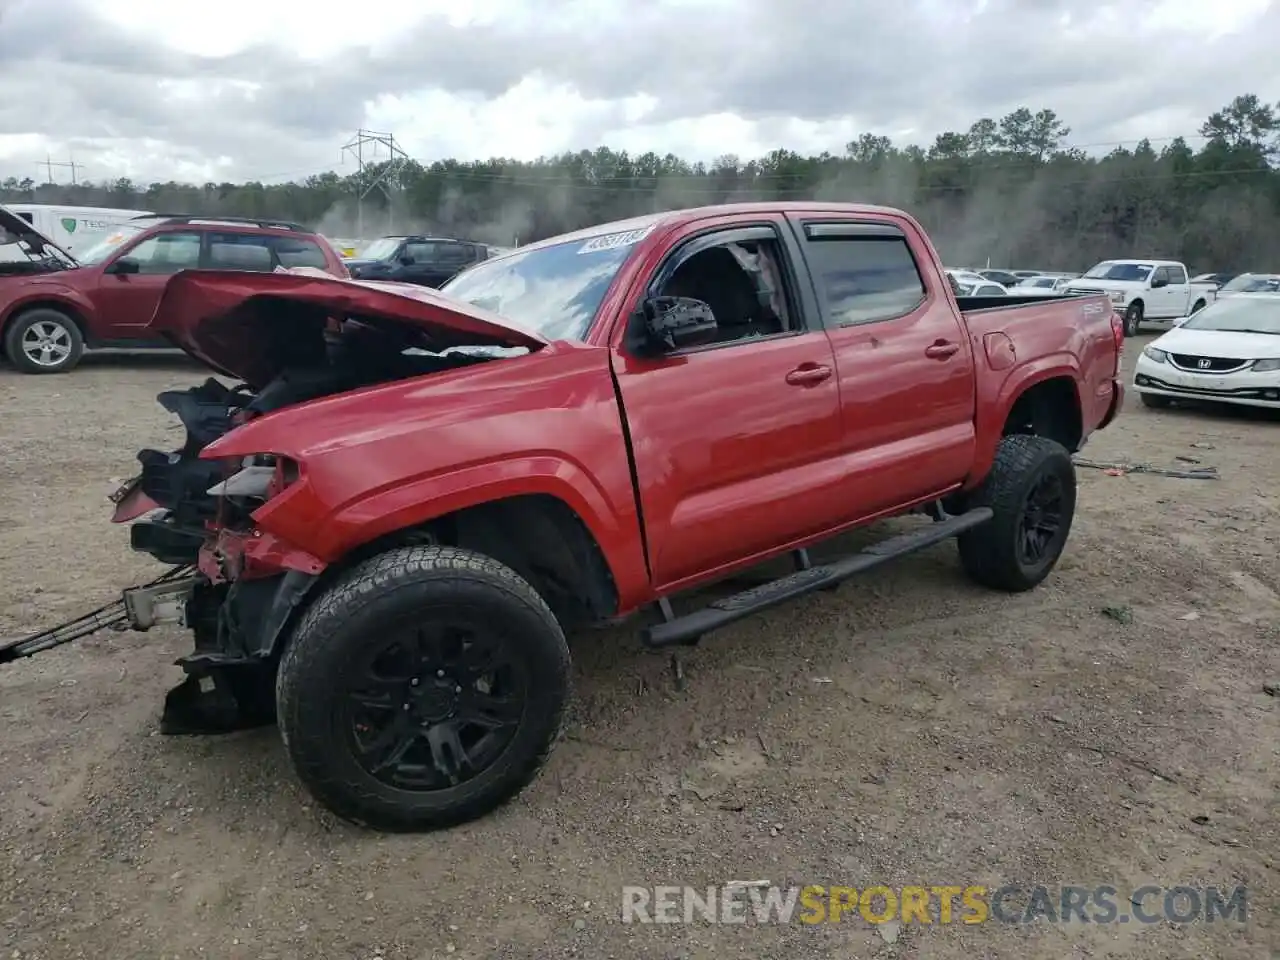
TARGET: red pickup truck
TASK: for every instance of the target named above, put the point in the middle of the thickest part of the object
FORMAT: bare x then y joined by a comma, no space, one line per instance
415,493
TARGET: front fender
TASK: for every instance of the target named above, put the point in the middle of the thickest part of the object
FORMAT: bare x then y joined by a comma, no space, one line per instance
300,518
46,293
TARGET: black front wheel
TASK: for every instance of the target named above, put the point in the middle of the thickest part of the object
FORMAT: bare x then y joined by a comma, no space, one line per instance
1133,320
1032,491
422,690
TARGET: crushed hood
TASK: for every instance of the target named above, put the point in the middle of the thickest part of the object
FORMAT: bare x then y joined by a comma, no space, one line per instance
16,227
253,325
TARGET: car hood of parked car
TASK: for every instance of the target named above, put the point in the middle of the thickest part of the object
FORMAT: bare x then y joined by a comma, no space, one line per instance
254,325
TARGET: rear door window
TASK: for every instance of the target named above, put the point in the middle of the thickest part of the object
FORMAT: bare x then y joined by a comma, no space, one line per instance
865,279
241,251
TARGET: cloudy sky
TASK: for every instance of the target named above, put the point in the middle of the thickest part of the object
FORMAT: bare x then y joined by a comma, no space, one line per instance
271,89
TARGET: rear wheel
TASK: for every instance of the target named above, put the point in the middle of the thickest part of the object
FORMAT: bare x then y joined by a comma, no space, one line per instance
1032,491
423,689
1199,305
1133,320
43,340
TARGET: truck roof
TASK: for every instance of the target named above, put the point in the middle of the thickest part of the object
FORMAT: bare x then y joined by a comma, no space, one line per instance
669,218
1148,263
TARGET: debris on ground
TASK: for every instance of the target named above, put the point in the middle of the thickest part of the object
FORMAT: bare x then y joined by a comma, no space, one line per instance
1271,689
1120,469
1193,615
1121,614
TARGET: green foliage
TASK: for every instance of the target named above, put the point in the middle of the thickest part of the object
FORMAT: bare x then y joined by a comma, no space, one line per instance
1009,191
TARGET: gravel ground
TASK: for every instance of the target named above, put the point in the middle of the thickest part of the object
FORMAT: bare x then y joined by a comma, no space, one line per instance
910,728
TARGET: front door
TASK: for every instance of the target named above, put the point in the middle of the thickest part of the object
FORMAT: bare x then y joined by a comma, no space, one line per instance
904,360
126,302
736,443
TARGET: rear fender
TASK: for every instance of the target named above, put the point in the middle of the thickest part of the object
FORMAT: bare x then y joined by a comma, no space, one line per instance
995,412
616,529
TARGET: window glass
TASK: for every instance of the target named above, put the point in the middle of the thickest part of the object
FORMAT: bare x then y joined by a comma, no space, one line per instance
865,279
298,252
167,253
240,251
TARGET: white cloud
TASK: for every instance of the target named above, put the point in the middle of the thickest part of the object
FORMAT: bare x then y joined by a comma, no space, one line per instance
154,89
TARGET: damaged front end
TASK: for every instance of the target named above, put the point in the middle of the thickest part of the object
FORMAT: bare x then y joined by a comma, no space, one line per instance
245,586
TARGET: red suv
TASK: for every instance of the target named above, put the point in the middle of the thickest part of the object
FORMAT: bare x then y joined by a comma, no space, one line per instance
106,296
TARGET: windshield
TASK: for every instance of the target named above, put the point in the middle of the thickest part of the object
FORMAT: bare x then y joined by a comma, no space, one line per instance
1253,283
1239,315
108,245
1110,270
380,249
1038,282
554,291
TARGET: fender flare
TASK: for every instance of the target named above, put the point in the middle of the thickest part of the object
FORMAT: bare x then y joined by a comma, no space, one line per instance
615,527
77,305
1020,380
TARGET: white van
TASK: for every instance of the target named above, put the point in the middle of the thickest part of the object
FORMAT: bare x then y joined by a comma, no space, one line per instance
73,228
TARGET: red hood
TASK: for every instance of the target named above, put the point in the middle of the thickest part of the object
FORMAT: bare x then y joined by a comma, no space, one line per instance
244,324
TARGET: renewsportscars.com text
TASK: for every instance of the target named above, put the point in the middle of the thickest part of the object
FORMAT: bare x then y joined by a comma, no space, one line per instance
972,904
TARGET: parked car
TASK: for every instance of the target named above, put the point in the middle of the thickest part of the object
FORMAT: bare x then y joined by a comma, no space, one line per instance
588,427
1229,352
966,286
107,295
1043,285
1145,290
428,261
1003,277
1219,280
1250,283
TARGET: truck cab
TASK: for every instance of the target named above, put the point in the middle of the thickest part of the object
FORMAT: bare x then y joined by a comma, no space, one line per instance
1143,290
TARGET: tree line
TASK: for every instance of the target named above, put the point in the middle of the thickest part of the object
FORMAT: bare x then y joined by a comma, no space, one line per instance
1011,192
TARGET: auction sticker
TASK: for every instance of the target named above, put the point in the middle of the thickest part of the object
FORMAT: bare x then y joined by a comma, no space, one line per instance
611,241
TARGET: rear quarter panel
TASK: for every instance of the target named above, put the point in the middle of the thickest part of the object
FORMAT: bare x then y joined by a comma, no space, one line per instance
1017,347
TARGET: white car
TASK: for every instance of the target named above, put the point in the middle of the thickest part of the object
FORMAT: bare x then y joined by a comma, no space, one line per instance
1229,352
976,285
1250,283
1043,285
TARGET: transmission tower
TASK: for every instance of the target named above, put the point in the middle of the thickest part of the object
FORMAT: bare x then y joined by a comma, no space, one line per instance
49,163
372,149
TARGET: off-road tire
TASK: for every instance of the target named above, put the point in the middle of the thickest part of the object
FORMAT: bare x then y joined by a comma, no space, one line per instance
1199,305
989,553
1133,319
371,597
24,322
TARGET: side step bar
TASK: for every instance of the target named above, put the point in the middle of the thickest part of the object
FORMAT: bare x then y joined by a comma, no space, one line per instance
689,629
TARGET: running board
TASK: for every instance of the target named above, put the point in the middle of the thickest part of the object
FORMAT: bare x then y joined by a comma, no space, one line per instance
689,629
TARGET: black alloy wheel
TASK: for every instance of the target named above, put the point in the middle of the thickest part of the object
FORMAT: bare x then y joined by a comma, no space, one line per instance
434,704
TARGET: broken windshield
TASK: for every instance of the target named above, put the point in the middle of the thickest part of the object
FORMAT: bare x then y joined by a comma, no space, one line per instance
554,291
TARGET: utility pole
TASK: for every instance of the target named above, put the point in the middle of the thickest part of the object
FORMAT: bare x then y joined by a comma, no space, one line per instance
367,147
49,163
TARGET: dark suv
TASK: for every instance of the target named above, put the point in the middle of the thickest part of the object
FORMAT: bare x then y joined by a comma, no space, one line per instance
107,295
427,261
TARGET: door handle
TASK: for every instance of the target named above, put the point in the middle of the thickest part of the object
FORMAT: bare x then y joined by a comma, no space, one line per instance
941,350
808,375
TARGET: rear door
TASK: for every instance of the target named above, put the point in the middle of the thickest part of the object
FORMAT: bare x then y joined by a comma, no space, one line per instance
904,361
736,444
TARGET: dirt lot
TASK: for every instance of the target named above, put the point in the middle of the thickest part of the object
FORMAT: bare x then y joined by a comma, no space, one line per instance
909,729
